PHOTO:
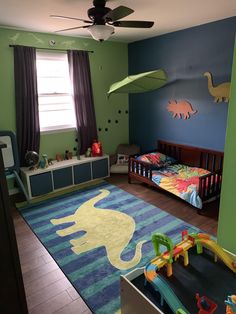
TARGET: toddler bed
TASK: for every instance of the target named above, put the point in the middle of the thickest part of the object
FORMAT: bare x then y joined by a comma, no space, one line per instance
194,174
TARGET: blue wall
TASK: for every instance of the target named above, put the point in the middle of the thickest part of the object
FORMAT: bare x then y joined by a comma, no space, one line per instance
184,55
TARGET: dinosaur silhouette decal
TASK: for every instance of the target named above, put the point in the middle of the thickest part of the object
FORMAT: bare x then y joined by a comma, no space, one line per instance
181,109
219,92
104,227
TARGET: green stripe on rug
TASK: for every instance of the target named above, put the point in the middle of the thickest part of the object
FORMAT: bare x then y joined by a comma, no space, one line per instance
46,197
64,211
110,307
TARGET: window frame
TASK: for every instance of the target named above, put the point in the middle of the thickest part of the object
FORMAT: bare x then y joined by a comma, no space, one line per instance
69,106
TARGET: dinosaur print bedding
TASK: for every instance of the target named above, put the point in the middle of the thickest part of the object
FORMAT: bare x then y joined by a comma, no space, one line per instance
180,180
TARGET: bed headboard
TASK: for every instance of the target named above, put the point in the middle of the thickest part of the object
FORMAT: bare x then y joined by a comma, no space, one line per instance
193,156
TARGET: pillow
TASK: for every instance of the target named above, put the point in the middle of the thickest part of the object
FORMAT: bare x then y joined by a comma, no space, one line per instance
157,159
122,159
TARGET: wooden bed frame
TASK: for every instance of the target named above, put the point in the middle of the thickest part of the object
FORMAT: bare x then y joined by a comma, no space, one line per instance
192,156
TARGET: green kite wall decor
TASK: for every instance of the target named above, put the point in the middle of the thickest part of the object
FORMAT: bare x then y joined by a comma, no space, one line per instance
219,92
180,109
140,83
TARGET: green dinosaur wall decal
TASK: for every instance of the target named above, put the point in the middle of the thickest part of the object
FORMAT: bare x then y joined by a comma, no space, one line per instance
219,92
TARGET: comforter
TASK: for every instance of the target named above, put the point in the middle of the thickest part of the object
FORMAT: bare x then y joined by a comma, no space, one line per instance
180,180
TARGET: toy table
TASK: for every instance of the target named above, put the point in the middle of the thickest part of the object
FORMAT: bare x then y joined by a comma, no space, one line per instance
202,275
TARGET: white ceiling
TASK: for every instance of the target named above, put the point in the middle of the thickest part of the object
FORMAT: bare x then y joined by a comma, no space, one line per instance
168,15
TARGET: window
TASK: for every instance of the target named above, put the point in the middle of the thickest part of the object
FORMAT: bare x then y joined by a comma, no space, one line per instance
56,106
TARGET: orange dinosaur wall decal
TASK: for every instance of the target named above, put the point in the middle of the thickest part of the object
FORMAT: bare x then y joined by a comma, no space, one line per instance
219,92
181,109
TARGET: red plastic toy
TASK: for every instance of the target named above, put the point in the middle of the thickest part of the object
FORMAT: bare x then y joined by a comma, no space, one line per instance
205,305
96,149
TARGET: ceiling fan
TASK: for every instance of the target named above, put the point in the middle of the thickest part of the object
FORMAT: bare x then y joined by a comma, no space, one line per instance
103,20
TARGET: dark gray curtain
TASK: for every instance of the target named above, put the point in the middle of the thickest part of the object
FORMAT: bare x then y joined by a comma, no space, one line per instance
83,98
26,95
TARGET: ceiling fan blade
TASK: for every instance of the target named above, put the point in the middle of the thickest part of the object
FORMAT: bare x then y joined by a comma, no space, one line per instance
135,24
71,28
118,13
69,18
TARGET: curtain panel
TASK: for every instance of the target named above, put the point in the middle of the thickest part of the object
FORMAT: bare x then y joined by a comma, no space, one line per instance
26,98
80,75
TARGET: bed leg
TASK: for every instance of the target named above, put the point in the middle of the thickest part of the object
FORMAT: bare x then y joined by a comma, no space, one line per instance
200,211
129,179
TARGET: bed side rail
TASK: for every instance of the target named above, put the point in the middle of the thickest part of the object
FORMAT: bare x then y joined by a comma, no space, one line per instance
139,169
210,185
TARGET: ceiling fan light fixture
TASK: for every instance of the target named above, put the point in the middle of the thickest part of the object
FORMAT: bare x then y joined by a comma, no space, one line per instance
101,32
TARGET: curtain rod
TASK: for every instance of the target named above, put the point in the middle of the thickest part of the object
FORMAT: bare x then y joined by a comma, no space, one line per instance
58,49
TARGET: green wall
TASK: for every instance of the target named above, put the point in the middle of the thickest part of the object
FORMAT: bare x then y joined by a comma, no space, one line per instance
109,63
227,216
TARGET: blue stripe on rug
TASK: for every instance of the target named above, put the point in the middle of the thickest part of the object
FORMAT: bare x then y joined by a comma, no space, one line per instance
91,273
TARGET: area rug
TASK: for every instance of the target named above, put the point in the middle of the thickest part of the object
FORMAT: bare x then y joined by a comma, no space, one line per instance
98,233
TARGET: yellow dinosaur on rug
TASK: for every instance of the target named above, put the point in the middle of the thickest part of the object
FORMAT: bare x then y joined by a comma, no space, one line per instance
104,227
